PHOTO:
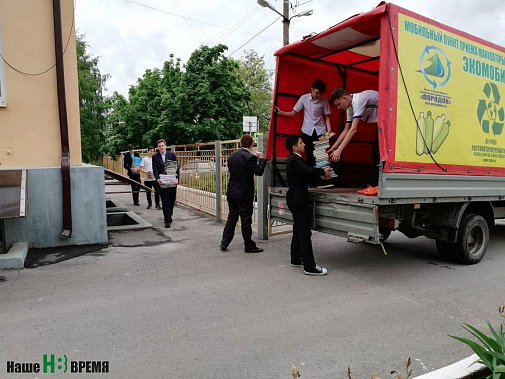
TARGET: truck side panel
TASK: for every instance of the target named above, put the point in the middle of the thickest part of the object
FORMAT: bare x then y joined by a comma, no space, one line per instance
343,219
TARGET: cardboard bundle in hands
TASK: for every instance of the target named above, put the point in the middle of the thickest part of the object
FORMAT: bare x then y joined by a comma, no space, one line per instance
168,180
169,177
320,148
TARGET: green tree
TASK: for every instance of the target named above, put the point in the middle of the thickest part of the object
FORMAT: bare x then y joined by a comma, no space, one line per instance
92,105
258,80
212,96
201,102
117,134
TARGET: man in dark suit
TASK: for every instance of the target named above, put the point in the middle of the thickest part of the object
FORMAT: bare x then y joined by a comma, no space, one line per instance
167,194
243,164
298,201
133,172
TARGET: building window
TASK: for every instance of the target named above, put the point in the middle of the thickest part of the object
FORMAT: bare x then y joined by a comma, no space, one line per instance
2,73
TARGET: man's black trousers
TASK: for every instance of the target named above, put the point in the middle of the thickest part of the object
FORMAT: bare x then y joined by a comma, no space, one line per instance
244,209
152,184
168,200
301,244
135,189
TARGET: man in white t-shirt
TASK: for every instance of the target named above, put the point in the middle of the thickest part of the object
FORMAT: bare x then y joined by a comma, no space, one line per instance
316,117
361,106
146,166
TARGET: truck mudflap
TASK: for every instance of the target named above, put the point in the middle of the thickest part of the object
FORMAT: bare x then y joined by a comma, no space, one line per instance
354,221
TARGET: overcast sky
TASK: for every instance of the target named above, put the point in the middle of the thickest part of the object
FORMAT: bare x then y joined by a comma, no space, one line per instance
130,36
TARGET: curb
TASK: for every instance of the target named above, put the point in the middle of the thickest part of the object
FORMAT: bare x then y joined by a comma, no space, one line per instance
15,257
458,370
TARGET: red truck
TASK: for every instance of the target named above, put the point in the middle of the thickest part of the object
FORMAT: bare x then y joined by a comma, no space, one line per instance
440,127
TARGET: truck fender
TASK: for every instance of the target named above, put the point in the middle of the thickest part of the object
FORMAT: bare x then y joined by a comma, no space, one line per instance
445,218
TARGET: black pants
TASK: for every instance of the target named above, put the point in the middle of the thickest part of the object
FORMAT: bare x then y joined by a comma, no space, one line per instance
168,200
135,195
375,161
301,243
152,184
309,147
244,209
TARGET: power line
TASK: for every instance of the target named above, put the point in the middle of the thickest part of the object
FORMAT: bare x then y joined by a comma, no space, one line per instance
176,5
238,23
57,60
261,31
192,19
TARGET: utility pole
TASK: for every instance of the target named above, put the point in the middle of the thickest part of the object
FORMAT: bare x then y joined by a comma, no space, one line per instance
285,17
285,22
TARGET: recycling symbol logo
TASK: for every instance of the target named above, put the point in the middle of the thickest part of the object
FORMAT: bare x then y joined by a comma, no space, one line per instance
489,112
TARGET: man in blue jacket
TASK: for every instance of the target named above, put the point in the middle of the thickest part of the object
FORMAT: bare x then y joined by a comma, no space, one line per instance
243,164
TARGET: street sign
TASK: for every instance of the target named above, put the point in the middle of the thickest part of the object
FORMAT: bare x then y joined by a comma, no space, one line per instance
249,124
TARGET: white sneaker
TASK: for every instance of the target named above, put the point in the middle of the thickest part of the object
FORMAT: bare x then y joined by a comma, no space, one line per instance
316,271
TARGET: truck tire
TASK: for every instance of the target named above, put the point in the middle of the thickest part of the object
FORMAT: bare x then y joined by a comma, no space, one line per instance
473,238
446,250
384,233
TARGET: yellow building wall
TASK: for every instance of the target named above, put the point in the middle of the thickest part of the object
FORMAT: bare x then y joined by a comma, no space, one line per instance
29,124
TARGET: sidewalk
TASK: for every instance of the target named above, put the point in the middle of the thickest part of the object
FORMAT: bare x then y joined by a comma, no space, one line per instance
167,303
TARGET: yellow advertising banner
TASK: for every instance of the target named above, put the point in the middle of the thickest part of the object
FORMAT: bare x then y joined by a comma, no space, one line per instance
456,88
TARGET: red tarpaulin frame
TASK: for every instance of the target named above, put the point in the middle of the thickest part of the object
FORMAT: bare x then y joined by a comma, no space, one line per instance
301,62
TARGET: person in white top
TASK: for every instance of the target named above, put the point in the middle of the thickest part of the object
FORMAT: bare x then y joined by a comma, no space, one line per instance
362,106
146,166
316,117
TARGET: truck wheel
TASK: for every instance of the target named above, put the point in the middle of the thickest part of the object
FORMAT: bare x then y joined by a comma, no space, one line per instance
446,250
473,237
384,233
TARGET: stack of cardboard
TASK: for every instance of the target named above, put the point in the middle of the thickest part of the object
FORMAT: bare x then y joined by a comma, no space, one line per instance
320,148
169,177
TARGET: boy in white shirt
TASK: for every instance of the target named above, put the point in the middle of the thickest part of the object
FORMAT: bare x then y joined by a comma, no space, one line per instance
146,166
316,117
359,106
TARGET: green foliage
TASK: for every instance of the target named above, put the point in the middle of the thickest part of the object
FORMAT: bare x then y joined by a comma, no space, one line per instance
92,104
117,133
203,103
257,79
489,349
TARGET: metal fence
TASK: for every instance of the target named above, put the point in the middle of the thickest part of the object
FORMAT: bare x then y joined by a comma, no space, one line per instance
203,175
203,179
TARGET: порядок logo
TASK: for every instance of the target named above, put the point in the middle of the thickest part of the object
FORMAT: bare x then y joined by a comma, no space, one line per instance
435,66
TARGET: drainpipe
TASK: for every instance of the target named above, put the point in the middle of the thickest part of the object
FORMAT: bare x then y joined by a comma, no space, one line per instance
62,106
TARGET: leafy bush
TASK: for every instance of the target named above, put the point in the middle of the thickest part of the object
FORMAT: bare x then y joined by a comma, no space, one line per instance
491,350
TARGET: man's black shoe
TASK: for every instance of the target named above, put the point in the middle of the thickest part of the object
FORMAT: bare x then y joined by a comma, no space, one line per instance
254,250
167,224
149,206
297,263
320,271
223,247
136,203
158,207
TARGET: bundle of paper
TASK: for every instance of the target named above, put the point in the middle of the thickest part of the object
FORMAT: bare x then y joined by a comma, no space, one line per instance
136,164
320,148
170,167
168,180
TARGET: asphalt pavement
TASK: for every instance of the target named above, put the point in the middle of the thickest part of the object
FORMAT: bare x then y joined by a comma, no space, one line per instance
168,303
